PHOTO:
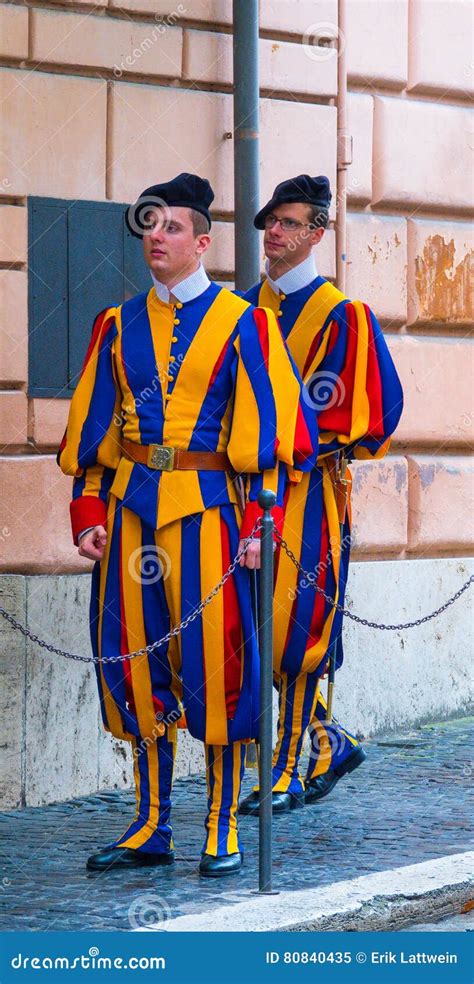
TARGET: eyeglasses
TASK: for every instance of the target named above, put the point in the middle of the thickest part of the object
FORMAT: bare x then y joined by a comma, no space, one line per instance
288,225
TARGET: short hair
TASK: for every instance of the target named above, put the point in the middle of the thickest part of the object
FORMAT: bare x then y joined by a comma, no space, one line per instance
318,216
200,224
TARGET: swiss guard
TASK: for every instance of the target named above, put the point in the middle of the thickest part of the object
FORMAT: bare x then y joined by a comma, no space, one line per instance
184,387
355,394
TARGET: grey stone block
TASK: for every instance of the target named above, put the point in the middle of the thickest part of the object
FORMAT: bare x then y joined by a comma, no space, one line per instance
12,692
62,728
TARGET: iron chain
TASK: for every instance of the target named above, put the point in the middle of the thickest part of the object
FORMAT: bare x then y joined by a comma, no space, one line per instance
177,629
311,578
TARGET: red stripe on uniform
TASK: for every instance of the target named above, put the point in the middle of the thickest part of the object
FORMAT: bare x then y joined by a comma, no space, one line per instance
303,445
339,417
262,331
98,323
232,631
374,384
218,365
312,351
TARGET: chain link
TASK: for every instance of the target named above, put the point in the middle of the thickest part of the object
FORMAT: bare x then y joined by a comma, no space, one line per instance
177,629
311,578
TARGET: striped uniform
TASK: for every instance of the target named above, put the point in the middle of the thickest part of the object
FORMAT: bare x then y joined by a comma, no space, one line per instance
209,374
352,385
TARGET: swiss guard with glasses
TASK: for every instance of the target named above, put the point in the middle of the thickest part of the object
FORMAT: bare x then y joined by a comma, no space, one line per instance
183,386
355,394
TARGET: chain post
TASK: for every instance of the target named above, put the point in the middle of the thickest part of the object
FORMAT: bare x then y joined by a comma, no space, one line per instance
266,500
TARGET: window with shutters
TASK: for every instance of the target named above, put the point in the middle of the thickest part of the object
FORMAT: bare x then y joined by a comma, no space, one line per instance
81,258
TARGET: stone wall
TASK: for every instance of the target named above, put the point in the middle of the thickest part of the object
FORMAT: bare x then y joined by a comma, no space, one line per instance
99,100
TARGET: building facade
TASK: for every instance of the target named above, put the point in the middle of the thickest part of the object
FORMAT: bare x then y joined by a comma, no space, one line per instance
99,100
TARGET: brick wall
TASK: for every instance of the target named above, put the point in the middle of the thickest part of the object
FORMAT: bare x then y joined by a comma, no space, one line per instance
100,100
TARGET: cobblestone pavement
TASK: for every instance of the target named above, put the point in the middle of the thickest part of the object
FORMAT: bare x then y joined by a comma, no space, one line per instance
409,802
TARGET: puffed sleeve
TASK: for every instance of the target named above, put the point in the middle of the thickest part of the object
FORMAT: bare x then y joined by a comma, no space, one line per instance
90,449
271,427
352,383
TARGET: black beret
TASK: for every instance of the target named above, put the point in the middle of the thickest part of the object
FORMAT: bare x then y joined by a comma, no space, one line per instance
186,190
308,191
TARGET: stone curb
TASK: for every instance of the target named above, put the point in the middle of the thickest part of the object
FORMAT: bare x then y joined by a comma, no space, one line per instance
385,900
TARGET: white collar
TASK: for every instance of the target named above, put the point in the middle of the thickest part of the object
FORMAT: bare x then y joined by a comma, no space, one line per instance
185,290
294,279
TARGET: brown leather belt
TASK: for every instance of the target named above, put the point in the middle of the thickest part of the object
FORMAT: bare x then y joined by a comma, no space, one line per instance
163,458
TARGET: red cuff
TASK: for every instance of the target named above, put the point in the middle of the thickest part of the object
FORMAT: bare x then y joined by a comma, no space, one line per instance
86,510
252,512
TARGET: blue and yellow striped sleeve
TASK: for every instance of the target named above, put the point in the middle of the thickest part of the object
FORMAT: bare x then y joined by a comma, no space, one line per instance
90,449
270,429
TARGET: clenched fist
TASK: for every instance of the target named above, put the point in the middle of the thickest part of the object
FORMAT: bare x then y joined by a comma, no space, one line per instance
92,544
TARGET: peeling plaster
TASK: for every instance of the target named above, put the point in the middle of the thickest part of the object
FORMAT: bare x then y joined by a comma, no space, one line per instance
442,285
429,472
377,248
400,477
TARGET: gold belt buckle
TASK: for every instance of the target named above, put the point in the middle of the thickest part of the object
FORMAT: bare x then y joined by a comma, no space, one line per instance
160,457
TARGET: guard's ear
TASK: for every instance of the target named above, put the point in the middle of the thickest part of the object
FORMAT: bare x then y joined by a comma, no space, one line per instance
202,243
317,235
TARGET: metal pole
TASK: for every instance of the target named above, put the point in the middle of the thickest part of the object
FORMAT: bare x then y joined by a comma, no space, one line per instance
342,464
266,500
344,150
246,142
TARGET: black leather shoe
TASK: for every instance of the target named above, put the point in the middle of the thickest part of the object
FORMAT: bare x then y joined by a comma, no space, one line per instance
126,857
228,864
321,786
281,803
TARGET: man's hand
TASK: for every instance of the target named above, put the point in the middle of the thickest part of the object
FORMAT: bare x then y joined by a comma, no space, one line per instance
251,557
92,544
